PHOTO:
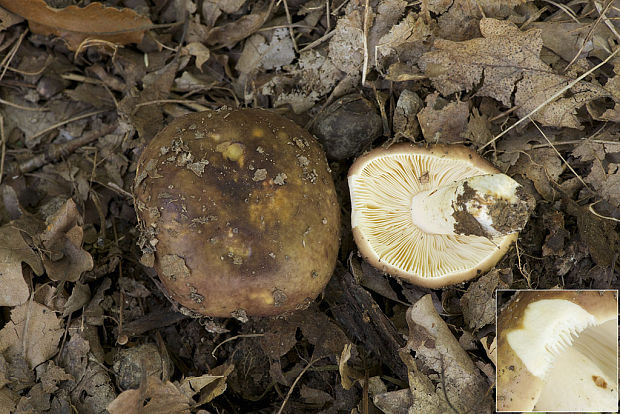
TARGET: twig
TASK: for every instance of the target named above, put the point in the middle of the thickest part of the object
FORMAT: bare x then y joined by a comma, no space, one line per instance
318,41
3,155
57,151
591,209
232,338
24,108
119,190
365,42
586,40
524,273
290,390
550,99
65,122
561,157
574,142
9,57
290,28
605,18
121,339
187,102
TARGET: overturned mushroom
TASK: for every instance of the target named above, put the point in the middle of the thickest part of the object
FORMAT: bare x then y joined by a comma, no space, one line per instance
239,213
557,351
434,215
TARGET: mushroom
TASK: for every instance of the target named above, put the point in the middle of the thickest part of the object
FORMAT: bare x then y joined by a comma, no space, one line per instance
557,350
238,212
434,215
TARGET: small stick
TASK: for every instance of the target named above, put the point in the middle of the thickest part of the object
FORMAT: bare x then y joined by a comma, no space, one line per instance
3,155
290,390
57,151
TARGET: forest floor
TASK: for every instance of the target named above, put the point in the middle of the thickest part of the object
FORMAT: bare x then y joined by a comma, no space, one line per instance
533,86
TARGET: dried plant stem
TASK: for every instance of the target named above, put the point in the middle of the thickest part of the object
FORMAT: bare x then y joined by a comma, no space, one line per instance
65,122
3,155
561,157
232,338
9,57
22,107
290,28
290,390
365,40
55,152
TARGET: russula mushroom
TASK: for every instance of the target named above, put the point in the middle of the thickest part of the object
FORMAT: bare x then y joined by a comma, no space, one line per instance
557,351
434,215
239,213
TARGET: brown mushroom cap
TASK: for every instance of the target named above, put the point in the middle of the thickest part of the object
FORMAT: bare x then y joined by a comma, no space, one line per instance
382,183
241,210
518,388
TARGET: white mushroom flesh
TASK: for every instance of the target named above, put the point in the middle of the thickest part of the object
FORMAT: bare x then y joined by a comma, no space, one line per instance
381,196
433,211
572,352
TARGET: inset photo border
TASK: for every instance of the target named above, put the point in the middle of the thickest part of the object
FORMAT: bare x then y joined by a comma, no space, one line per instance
557,350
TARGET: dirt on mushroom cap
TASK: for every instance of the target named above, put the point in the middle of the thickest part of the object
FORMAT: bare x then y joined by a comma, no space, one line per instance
257,225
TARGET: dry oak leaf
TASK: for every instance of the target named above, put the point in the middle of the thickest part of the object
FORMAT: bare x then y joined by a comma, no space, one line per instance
77,24
443,122
346,50
34,332
13,251
506,60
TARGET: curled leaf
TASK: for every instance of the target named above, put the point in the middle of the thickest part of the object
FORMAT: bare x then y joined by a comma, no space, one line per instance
76,24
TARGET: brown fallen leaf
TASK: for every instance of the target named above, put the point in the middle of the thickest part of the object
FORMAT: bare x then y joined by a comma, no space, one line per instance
442,121
478,303
405,42
312,77
543,167
604,176
348,375
145,118
506,60
394,402
79,297
52,376
230,33
210,390
13,251
34,332
153,397
92,389
76,24
65,258
8,399
346,50
258,53
437,348
490,349
199,51
8,19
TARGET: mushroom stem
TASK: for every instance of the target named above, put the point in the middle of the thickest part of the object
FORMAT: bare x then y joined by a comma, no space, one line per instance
484,205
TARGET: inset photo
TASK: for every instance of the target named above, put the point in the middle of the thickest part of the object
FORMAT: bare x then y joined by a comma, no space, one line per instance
557,350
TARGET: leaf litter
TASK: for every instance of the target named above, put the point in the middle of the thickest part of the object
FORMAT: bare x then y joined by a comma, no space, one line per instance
87,327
